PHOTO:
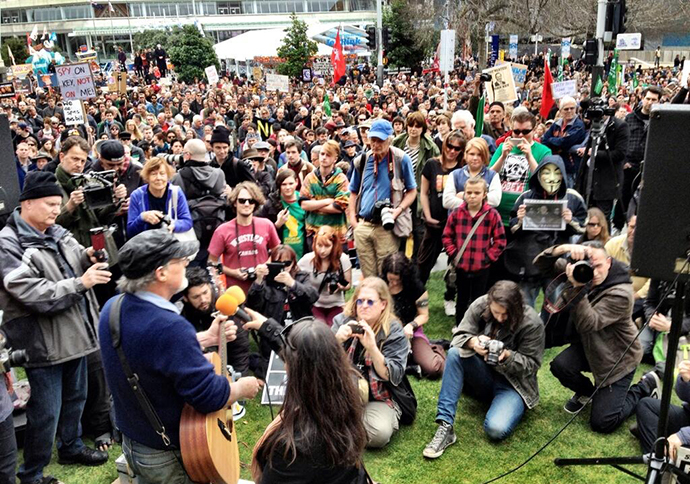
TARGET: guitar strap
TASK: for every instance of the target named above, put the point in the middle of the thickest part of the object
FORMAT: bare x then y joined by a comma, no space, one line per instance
132,378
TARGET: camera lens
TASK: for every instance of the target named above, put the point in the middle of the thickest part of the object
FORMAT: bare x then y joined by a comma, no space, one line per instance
583,272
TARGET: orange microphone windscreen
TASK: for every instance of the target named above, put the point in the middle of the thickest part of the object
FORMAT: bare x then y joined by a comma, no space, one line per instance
227,304
237,293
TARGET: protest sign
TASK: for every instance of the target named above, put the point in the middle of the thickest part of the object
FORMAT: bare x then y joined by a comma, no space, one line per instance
322,66
502,86
276,382
565,88
76,81
565,47
519,74
212,75
629,41
6,89
544,214
276,82
513,47
447,50
74,114
19,71
23,85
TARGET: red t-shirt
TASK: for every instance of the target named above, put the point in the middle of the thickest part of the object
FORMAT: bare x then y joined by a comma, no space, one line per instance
243,246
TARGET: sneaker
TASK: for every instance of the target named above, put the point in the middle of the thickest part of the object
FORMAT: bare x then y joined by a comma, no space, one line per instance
449,307
653,382
444,437
576,403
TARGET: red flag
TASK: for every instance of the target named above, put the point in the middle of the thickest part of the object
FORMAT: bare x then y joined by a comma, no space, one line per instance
546,94
337,59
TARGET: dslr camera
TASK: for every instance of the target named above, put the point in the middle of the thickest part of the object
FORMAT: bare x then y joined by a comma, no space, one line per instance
582,270
251,273
98,188
333,279
494,348
383,214
9,357
485,77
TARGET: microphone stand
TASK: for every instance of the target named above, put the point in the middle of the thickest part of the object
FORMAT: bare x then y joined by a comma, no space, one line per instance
657,462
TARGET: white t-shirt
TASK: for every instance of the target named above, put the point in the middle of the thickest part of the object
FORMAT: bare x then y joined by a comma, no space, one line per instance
326,299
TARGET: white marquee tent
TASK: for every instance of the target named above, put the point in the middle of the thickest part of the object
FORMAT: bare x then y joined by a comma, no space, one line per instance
263,43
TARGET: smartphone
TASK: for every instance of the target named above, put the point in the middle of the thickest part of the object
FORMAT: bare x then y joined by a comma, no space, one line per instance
515,141
98,244
274,268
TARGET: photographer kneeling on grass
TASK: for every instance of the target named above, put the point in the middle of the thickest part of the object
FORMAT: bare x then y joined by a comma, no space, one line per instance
600,313
495,354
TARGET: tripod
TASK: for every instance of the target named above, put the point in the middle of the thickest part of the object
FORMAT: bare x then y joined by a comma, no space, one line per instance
657,462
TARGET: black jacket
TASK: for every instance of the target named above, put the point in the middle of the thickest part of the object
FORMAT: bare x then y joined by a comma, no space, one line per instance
638,124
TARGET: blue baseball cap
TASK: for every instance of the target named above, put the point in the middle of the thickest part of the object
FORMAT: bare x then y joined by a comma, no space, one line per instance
381,129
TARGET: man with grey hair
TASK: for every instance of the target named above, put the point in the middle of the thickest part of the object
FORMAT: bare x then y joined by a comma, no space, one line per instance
463,121
143,331
384,174
567,132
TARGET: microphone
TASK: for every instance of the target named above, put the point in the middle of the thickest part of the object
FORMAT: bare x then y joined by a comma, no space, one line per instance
237,293
228,305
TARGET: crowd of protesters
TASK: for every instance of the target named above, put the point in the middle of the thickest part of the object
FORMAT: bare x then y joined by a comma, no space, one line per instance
299,197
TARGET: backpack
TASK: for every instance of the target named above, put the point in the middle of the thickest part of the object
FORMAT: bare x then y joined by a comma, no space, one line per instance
207,210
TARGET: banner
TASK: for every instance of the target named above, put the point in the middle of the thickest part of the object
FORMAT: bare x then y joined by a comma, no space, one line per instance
565,88
276,82
74,114
513,47
447,51
212,75
565,47
502,86
76,81
494,50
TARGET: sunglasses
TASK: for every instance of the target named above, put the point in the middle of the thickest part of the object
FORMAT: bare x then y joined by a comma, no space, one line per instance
368,302
245,201
522,131
592,224
454,148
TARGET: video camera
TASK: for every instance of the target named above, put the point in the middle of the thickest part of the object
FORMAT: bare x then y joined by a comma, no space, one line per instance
98,187
9,357
597,109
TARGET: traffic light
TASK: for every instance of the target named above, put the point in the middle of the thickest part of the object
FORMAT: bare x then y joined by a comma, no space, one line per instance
620,14
591,52
385,33
371,38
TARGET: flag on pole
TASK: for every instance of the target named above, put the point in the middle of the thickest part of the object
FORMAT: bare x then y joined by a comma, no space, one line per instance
635,81
326,105
479,125
34,34
598,86
613,73
337,59
110,6
9,52
546,94
45,33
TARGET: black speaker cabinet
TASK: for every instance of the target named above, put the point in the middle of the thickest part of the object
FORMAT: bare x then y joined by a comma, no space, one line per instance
9,183
662,235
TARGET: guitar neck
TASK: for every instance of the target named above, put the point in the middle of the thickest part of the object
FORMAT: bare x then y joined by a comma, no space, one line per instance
219,282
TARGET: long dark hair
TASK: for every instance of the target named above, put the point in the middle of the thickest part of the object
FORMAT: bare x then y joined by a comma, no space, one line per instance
400,265
322,411
508,295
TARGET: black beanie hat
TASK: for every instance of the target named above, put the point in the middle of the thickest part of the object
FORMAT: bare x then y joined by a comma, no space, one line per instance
39,184
220,135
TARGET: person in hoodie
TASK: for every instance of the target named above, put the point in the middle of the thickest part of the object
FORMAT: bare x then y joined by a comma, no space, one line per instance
564,134
483,249
601,314
546,183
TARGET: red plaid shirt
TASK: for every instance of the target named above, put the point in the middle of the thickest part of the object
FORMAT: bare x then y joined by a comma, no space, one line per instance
486,244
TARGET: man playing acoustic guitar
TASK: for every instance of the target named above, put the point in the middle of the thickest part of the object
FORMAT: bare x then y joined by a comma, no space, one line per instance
162,352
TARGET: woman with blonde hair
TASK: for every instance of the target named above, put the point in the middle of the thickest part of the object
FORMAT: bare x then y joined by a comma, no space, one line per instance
131,127
377,346
596,227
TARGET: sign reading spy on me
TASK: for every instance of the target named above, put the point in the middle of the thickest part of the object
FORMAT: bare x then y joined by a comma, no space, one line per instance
76,81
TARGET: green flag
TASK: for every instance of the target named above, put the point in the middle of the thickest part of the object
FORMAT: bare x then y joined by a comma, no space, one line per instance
598,86
326,105
635,81
563,61
613,73
479,125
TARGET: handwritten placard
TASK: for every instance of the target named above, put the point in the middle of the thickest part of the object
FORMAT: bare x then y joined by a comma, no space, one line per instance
76,81
276,82
563,89
74,114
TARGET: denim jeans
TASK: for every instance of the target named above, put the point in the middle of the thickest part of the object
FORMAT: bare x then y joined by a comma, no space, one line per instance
648,419
58,395
507,407
612,404
153,466
8,451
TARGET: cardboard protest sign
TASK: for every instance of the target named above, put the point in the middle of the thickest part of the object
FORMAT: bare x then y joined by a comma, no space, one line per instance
76,81
212,75
276,82
74,113
502,86
565,88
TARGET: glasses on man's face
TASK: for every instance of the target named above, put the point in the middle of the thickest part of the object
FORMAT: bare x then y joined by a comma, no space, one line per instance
523,132
366,302
246,201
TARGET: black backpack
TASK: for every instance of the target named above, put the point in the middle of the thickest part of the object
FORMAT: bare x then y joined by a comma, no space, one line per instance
207,210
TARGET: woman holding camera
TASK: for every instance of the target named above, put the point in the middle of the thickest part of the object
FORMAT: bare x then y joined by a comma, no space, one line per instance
319,435
330,274
411,301
377,347
150,204
281,291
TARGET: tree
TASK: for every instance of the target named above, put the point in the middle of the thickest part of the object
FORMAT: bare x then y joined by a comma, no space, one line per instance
410,36
19,50
296,48
148,39
191,53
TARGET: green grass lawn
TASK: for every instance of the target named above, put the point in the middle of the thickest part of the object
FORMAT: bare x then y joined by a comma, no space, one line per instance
473,459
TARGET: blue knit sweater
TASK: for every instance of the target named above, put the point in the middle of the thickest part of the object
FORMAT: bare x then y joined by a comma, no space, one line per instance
162,349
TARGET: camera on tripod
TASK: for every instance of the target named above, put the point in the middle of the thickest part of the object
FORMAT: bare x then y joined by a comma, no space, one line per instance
383,214
10,357
598,108
98,188
494,348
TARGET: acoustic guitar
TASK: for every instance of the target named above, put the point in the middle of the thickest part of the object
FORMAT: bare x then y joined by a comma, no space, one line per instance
208,442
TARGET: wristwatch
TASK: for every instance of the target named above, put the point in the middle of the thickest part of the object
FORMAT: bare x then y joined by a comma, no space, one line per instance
414,325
